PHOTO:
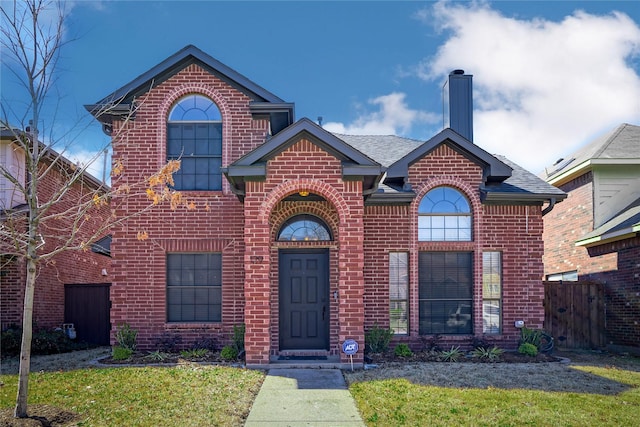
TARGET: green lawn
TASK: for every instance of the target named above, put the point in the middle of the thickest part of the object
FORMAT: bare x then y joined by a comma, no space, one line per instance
397,402
185,395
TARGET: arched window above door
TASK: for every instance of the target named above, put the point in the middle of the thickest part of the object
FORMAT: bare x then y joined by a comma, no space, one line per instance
302,228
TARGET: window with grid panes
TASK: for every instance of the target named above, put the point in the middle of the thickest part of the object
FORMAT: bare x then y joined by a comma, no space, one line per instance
398,292
194,287
444,214
491,292
445,292
194,136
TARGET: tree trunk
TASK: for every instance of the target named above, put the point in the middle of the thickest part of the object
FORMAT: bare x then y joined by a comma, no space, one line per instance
27,333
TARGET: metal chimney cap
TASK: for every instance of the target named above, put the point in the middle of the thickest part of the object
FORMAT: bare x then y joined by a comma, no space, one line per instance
456,72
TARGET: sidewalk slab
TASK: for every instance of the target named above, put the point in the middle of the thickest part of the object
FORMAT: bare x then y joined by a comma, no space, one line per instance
304,397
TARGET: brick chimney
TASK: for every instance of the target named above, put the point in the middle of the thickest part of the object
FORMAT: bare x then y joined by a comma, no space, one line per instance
461,103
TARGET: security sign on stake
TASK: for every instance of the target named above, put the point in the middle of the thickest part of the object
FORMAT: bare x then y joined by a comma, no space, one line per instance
350,347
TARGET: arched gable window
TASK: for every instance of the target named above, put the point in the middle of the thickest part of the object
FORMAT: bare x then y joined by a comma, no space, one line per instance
194,135
444,214
304,228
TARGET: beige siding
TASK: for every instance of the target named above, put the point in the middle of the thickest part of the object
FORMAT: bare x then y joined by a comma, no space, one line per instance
12,161
615,187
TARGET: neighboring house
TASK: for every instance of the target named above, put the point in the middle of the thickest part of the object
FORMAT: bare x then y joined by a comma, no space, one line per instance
311,238
71,287
594,234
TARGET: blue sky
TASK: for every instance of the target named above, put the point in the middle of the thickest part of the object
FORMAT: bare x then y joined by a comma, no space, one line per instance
548,75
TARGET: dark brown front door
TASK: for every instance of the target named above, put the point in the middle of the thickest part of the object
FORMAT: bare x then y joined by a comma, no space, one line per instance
304,300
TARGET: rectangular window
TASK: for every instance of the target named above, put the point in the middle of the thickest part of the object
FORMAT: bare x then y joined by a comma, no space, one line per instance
491,292
398,292
445,293
567,276
199,148
194,287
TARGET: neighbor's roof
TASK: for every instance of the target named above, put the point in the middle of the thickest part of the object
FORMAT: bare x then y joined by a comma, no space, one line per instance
623,226
620,146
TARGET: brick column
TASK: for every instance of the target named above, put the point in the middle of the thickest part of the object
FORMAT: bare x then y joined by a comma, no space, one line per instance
257,310
351,266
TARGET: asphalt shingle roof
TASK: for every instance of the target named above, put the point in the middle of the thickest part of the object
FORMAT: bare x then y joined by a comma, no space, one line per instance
622,142
384,149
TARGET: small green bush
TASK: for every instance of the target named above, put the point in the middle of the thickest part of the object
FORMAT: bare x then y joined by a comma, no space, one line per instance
158,356
403,350
126,337
43,341
229,352
452,355
491,354
528,349
121,353
194,353
377,339
238,337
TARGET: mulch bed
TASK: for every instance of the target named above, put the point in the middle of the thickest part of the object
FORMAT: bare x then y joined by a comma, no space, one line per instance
427,356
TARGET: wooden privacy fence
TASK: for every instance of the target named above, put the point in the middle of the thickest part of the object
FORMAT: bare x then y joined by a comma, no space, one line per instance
575,314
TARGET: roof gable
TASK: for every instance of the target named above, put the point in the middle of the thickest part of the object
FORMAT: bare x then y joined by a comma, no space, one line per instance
119,102
253,165
494,170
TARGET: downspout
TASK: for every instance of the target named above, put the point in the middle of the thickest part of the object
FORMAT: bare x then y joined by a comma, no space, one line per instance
552,203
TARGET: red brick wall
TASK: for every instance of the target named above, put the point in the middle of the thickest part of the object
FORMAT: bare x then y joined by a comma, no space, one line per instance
303,166
513,230
68,267
565,224
622,292
215,224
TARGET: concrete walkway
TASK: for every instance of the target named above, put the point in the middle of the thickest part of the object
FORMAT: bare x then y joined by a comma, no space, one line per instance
304,397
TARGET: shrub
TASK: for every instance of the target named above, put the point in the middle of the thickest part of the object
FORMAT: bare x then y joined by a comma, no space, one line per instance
431,343
491,354
530,336
206,343
403,350
452,355
528,349
43,341
377,339
229,352
194,353
238,337
121,353
126,337
158,356
168,342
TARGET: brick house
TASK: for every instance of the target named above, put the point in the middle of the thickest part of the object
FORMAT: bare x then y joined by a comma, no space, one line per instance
311,238
65,276
593,235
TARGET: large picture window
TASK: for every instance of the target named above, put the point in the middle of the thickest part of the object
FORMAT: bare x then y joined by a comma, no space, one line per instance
398,291
194,136
444,215
194,287
445,293
491,292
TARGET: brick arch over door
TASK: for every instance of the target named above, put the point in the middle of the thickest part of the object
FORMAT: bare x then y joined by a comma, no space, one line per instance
317,187
323,210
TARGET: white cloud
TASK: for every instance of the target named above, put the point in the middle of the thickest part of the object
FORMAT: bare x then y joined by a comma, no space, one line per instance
393,116
541,88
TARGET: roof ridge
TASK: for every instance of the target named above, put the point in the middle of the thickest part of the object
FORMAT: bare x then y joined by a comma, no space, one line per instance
609,140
